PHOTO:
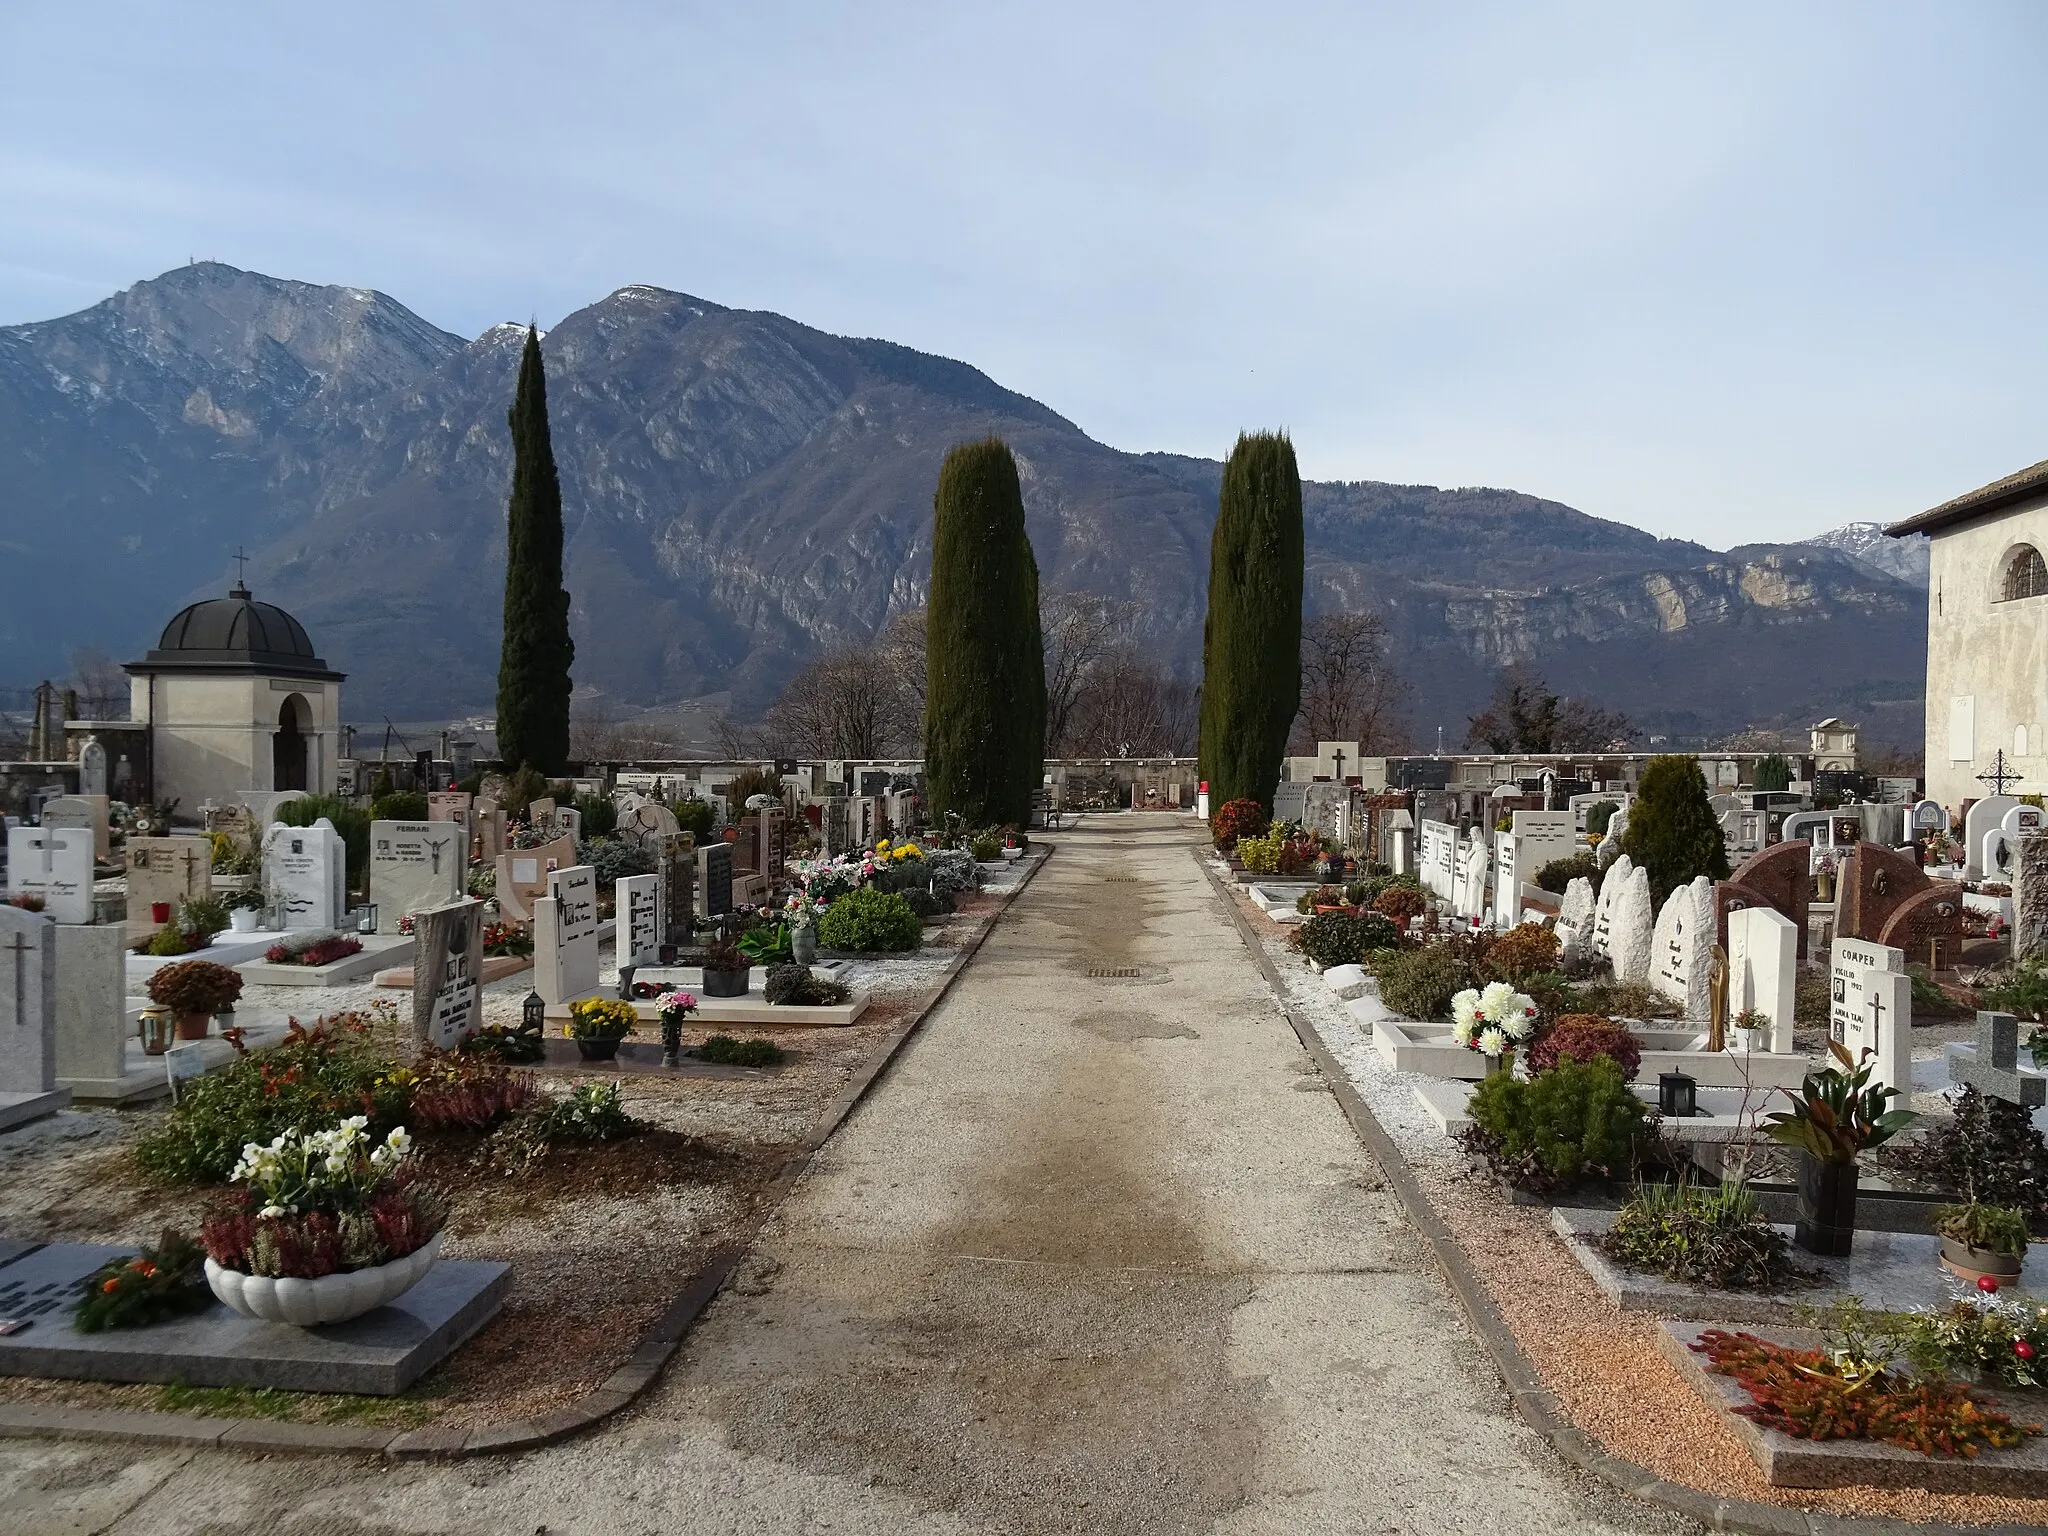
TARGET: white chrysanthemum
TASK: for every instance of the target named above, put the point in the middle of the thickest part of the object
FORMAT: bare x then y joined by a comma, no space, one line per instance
1497,1001
1519,1028
1461,1031
1491,1041
1465,1008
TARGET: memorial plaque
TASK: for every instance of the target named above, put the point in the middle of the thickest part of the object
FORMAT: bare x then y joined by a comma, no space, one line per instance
679,887
1848,962
714,879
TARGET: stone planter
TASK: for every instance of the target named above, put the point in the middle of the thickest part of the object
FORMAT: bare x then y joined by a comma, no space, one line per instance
1827,1207
1973,1264
330,1299
194,1026
1750,1041
242,920
726,983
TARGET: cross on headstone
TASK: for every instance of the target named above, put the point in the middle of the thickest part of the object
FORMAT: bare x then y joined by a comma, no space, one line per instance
1993,1069
19,949
191,858
1877,1014
2000,775
1338,757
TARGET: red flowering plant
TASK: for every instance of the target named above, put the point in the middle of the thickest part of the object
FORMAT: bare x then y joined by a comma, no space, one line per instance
314,949
1239,818
507,939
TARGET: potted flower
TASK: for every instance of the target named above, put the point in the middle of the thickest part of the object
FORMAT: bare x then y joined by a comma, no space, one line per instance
598,1024
675,1007
326,1226
1752,1030
194,991
1493,1022
1979,1240
726,971
1835,1114
244,906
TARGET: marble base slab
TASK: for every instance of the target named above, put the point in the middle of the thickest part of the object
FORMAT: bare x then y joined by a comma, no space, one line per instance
378,1354
496,968
379,950
21,1108
751,1009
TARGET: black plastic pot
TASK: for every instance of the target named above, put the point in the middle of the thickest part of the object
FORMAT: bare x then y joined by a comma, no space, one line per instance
726,983
598,1050
1827,1207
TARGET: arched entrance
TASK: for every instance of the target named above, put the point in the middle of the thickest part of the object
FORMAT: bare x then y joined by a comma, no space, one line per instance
288,746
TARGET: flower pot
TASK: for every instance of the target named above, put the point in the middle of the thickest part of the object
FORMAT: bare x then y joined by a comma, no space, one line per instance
1827,1207
194,1026
1750,1041
242,920
803,944
1973,1264
601,1048
726,983
159,912
329,1299
154,1027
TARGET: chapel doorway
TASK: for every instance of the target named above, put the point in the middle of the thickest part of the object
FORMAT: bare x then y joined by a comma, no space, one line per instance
288,746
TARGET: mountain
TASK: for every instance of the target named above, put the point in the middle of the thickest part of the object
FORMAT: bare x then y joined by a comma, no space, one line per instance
1905,559
741,490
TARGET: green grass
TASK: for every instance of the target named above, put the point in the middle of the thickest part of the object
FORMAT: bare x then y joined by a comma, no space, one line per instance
404,1412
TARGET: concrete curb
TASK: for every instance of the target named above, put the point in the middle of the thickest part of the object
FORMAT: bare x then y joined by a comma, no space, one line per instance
642,1368
1531,1398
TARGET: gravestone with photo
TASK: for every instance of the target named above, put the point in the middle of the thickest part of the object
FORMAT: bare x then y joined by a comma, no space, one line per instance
163,871
451,805
415,865
55,865
523,875
304,869
1870,1007
447,973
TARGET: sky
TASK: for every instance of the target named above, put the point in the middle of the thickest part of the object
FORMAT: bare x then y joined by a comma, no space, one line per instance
1730,273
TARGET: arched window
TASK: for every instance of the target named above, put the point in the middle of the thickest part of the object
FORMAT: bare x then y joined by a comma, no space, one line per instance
2026,574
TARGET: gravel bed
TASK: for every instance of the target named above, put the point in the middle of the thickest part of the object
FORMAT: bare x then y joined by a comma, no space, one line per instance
1603,1366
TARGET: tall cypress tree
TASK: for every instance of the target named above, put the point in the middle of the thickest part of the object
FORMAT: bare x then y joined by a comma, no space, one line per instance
1672,829
1251,640
533,662
984,711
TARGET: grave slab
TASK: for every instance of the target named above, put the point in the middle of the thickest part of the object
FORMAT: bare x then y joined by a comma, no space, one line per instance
1789,1462
495,968
378,1354
379,949
751,1009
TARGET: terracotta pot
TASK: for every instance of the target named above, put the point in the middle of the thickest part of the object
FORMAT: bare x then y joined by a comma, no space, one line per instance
1973,1264
194,1026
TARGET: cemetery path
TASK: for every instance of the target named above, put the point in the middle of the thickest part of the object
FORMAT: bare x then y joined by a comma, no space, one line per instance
1100,1254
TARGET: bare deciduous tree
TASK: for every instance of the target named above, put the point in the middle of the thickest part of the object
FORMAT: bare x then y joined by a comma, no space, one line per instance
850,702
901,644
1525,716
1080,630
101,685
1349,688
1125,706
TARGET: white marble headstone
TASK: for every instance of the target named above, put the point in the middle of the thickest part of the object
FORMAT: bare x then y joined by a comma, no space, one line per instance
28,1002
565,936
1632,927
305,868
1863,1005
54,863
415,865
1613,881
1682,949
1763,969
636,900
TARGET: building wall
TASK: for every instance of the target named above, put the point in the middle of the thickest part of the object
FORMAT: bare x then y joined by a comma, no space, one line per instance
1987,659
211,736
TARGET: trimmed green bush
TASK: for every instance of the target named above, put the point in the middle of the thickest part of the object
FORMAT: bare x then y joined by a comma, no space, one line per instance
1774,772
352,824
403,805
1338,938
1557,876
1420,983
1251,639
600,815
1577,1119
1672,830
868,921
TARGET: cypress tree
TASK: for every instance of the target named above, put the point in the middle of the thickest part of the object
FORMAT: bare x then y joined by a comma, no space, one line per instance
984,711
1672,830
1251,639
533,663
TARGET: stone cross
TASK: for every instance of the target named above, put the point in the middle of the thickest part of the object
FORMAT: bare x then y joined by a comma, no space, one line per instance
1992,1065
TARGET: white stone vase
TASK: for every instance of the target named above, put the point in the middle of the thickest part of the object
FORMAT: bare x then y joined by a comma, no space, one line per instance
242,920
330,1299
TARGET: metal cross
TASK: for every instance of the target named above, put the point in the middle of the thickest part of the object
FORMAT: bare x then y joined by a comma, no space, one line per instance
434,850
191,861
1876,1016
241,568
20,949
2000,775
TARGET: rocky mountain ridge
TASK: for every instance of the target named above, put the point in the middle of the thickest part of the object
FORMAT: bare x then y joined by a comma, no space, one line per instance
742,489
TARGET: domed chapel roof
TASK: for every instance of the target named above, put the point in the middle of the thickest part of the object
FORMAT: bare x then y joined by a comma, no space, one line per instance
235,634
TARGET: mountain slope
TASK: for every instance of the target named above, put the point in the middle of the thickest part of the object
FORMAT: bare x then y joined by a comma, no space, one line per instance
741,489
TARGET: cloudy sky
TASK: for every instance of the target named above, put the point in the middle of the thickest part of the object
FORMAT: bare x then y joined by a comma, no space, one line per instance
1726,272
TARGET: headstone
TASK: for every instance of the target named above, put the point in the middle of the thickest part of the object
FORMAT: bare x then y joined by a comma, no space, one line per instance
1575,916
54,863
1763,969
28,1016
235,819
1682,949
1994,856
523,875
92,1021
92,768
165,871
540,815
1983,818
415,865
714,879
2030,897
1612,882
88,812
677,868
304,868
1535,838
1439,854
565,936
1290,802
487,830
451,805
1992,1064
447,973
1780,877
1870,1007
1632,930
2023,821
1928,816
838,826
645,823
636,899
569,823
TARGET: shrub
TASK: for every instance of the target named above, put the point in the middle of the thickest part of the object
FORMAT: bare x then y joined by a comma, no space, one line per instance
1262,855
749,782
954,870
1339,938
986,847
611,858
1774,772
1600,815
600,815
868,921
1321,896
1579,1118
353,825
168,940
1420,983
1989,1151
467,1091
1239,818
925,904
695,817
403,805
1403,903
1672,830
1557,876
2023,992
795,985
740,1053
1713,1237
314,949
195,986
1520,953
1584,1036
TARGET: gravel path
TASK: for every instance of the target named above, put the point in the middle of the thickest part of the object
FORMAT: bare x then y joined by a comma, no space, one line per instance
1100,1255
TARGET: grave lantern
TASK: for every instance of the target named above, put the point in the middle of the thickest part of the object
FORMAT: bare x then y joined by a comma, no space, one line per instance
1677,1095
366,917
533,1013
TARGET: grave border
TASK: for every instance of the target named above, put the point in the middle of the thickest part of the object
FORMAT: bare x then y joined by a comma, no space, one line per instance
1535,1402
641,1369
